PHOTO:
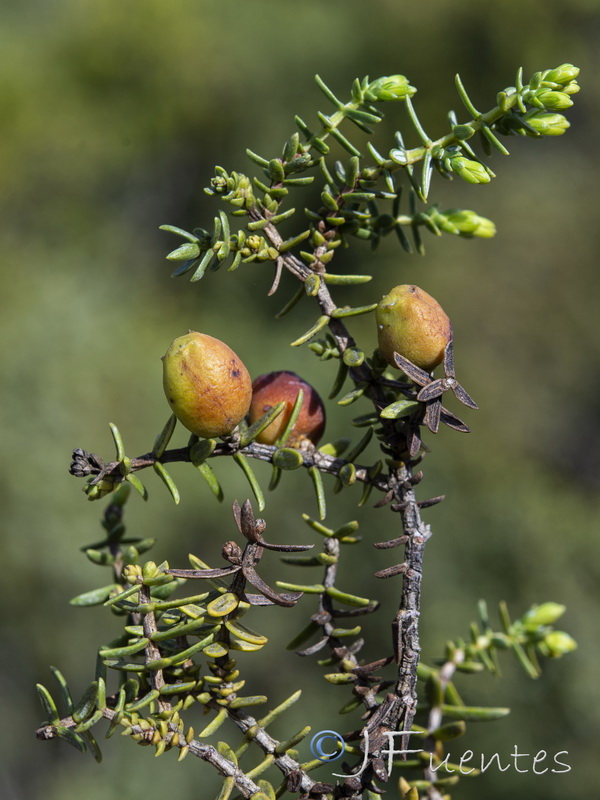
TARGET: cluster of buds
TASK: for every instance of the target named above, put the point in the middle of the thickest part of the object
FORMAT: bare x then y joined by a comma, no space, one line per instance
148,574
222,686
549,92
552,88
256,248
235,188
553,643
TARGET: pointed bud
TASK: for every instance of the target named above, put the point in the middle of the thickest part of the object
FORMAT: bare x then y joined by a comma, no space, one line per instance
391,87
544,614
547,124
149,570
555,100
572,88
464,222
563,74
558,643
470,171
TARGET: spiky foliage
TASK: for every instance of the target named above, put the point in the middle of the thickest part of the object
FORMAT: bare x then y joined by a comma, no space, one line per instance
177,652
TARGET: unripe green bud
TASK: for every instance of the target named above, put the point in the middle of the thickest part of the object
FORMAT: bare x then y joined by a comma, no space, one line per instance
563,74
255,242
465,223
486,229
132,573
571,88
470,171
412,323
547,124
391,87
207,386
559,643
544,614
219,184
149,570
554,100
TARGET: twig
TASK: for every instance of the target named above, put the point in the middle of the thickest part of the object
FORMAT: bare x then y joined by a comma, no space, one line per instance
400,706
147,733
262,452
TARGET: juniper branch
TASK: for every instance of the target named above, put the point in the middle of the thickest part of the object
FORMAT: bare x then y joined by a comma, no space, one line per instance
175,738
157,680
329,465
401,704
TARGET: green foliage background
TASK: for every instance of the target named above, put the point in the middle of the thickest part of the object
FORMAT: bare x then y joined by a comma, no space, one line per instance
112,115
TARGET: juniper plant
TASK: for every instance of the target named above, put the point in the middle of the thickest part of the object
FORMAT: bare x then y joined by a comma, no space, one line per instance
177,648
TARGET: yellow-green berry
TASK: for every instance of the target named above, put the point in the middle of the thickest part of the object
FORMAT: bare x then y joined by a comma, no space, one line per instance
207,385
412,323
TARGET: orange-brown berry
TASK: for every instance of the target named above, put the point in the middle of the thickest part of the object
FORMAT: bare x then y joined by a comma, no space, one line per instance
282,387
207,386
412,323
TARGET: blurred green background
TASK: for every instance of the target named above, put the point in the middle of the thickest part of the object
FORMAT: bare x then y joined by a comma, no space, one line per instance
112,116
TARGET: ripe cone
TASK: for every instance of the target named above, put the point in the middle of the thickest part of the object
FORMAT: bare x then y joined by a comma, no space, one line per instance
278,387
207,385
